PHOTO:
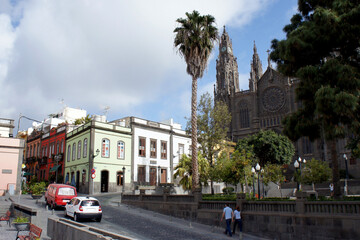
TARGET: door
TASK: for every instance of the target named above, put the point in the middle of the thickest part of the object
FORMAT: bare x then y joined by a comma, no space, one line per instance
153,176
163,176
141,175
77,180
104,181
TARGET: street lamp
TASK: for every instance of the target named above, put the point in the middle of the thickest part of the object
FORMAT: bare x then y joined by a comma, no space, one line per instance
347,176
262,181
253,174
257,168
297,164
123,189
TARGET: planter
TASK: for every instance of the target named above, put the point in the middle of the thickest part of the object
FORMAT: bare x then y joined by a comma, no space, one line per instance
36,196
21,226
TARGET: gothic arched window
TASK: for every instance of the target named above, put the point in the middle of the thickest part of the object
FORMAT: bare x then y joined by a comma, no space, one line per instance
244,115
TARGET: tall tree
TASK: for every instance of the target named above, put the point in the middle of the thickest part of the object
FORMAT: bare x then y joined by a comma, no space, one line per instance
213,124
195,38
322,49
269,147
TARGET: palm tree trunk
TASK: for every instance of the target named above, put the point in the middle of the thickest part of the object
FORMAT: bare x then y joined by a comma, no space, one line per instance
335,169
195,170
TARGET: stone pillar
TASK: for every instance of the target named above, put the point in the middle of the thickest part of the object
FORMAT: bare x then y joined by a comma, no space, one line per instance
240,199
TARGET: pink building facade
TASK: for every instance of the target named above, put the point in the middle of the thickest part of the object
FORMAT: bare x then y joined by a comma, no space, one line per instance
11,156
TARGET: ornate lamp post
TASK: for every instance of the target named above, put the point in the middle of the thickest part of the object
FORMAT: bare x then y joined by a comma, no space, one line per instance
257,168
253,174
347,176
297,164
123,188
262,181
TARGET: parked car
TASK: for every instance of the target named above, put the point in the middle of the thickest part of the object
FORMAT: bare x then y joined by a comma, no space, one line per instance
83,207
58,195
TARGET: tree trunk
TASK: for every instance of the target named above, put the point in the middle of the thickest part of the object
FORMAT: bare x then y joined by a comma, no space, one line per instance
335,169
195,170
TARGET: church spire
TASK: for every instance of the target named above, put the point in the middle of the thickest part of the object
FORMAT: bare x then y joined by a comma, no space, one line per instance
256,70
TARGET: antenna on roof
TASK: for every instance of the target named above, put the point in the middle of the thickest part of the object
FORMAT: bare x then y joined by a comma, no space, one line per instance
106,109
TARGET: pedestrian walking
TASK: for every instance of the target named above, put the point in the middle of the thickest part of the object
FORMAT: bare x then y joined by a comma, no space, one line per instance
237,220
331,186
228,215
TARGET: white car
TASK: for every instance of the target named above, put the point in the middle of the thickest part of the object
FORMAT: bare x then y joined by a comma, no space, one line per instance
84,207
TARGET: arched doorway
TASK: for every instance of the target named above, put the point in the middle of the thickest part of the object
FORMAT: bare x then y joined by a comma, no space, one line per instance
104,181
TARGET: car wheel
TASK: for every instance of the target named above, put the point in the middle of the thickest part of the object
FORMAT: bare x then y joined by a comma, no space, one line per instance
76,218
98,219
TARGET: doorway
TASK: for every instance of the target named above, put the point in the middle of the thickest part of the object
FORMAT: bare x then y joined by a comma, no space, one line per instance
77,180
153,176
104,181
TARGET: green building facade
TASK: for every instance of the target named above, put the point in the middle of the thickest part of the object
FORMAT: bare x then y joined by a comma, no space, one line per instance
98,158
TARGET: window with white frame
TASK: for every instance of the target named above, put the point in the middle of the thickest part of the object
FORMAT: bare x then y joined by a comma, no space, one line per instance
142,146
181,150
121,150
153,148
73,151
62,146
79,150
105,149
163,150
68,153
85,148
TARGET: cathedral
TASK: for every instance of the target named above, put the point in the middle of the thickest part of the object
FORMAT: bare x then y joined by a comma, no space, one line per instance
271,96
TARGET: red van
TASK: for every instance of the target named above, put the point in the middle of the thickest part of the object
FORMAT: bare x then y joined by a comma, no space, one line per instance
59,194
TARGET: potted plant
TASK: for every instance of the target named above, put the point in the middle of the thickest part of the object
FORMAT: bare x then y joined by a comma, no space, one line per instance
37,190
21,223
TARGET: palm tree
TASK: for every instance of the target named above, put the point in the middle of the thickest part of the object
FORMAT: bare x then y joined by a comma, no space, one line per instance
195,38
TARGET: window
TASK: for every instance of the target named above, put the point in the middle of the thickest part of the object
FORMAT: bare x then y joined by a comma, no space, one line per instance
69,153
153,148
38,150
49,150
79,150
244,115
53,148
163,150
181,150
57,147
121,150
142,147
62,146
105,150
73,151
85,148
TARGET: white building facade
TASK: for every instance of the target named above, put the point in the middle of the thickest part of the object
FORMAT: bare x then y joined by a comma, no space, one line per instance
156,150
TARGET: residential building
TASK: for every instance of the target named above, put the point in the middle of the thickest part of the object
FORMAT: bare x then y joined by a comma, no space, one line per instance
98,157
157,148
11,156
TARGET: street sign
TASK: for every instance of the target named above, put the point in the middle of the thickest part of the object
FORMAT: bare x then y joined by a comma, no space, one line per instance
93,175
93,171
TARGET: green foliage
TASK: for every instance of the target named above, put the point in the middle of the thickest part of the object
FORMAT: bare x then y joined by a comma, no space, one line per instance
269,147
322,49
219,197
21,220
273,173
184,171
37,188
82,120
228,190
315,171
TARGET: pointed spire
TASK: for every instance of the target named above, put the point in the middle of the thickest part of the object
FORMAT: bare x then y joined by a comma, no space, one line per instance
224,29
255,50
269,62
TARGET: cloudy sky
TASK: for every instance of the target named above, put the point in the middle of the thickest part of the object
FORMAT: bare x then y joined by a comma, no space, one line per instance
119,54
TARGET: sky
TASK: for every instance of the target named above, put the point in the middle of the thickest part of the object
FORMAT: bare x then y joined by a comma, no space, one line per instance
119,55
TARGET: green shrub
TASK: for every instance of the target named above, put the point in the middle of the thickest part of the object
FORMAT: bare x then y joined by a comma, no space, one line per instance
21,220
219,197
228,190
38,188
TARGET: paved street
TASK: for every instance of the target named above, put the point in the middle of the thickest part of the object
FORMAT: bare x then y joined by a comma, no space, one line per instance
132,222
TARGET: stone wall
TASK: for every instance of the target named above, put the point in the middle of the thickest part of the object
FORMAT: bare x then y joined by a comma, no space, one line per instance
296,219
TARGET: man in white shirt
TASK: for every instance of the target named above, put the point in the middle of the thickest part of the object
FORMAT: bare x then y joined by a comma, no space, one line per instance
228,215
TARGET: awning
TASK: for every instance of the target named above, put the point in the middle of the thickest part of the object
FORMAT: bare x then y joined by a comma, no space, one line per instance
28,174
55,168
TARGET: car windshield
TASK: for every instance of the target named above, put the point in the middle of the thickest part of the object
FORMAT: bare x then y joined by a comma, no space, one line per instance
66,191
89,203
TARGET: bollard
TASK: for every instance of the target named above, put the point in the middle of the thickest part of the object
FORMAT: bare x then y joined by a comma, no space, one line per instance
171,219
52,213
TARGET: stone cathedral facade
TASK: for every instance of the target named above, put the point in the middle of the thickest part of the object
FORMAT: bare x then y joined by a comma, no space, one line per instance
271,96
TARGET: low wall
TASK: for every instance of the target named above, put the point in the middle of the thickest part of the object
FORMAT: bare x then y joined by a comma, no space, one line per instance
63,229
293,219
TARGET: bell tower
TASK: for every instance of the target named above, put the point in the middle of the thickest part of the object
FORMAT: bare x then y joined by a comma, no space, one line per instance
256,71
227,75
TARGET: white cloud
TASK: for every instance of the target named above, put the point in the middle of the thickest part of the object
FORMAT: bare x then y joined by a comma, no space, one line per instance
100,53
